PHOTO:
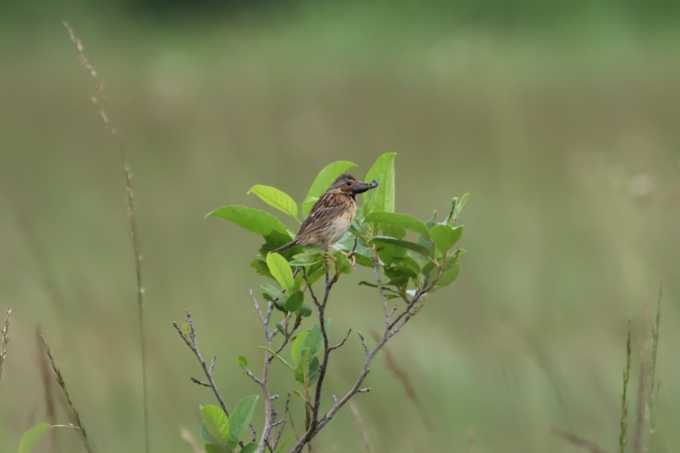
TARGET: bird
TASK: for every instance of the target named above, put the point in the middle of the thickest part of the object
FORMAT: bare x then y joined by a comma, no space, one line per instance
331,215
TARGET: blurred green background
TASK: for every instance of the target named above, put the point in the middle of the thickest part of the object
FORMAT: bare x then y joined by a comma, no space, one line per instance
561,120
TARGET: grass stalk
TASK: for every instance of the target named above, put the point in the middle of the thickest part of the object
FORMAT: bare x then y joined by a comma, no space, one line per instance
624,396
4,340
60,380
102,103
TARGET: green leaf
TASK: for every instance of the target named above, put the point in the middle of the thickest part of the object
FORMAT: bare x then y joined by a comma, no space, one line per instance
408,262
216,422
280,327
282,447
261,267
401,243
323,181
382,197
342,264
314,341
459,206
276,198
31,436
240,419
306,259
254,220
280,269
242,361
316,275
274,354
276,239
449,275
216,448
300,372
249,448
297,344
305,311
294,301
401,220
273,291
365,283
445,236
206,437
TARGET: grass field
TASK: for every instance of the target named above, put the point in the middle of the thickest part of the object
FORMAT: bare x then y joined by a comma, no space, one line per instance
565,134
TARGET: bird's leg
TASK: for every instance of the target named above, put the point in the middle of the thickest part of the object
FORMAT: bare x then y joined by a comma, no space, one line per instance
350,255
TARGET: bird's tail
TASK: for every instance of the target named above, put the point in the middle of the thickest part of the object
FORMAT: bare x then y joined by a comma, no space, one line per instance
284,247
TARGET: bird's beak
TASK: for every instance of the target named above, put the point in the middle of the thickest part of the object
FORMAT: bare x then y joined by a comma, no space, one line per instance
363,187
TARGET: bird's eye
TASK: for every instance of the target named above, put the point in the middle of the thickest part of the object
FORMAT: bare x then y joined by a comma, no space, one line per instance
348,183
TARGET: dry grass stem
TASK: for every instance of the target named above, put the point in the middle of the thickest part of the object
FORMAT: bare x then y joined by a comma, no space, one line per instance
365,437
62,384
4,339
47,388
576,440
401,375
624,397
102,104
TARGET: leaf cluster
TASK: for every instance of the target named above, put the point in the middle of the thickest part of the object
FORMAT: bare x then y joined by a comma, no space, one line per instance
408,251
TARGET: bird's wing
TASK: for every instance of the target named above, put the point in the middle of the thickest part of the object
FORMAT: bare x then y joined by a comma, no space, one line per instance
327,208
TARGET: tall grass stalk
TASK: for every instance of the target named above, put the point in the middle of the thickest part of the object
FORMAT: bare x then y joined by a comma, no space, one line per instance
624,396
102,103
4,340
62,384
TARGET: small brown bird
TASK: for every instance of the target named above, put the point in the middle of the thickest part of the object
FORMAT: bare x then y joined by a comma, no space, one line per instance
331,215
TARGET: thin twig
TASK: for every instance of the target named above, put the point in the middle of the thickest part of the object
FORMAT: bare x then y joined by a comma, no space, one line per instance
102,103
339,345
62,384
283,423
190,339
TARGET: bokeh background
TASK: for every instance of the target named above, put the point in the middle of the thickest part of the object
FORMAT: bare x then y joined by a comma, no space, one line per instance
561,119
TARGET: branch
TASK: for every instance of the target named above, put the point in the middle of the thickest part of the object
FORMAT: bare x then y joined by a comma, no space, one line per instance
190,339
339,345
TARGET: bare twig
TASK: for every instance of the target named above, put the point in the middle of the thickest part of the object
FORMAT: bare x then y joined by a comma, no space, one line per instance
188,334
339,345
575,440
102,104
283,423
62,384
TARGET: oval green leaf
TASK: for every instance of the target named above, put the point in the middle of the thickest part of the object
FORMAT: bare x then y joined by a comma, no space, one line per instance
445,236
382,197
297,344
240,419
276,198
254,220
323,181
280,269
401,243
216,422
294,301
31,436
397,219
249,448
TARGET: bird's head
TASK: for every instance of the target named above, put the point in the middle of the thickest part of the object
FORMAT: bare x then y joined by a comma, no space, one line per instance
348,184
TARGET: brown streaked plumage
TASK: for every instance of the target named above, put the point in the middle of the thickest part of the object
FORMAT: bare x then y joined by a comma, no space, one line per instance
331,215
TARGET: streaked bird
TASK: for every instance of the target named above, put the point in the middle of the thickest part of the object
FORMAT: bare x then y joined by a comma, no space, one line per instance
331,215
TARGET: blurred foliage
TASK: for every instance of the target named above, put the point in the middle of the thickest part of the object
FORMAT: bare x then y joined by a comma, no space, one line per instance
563,126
